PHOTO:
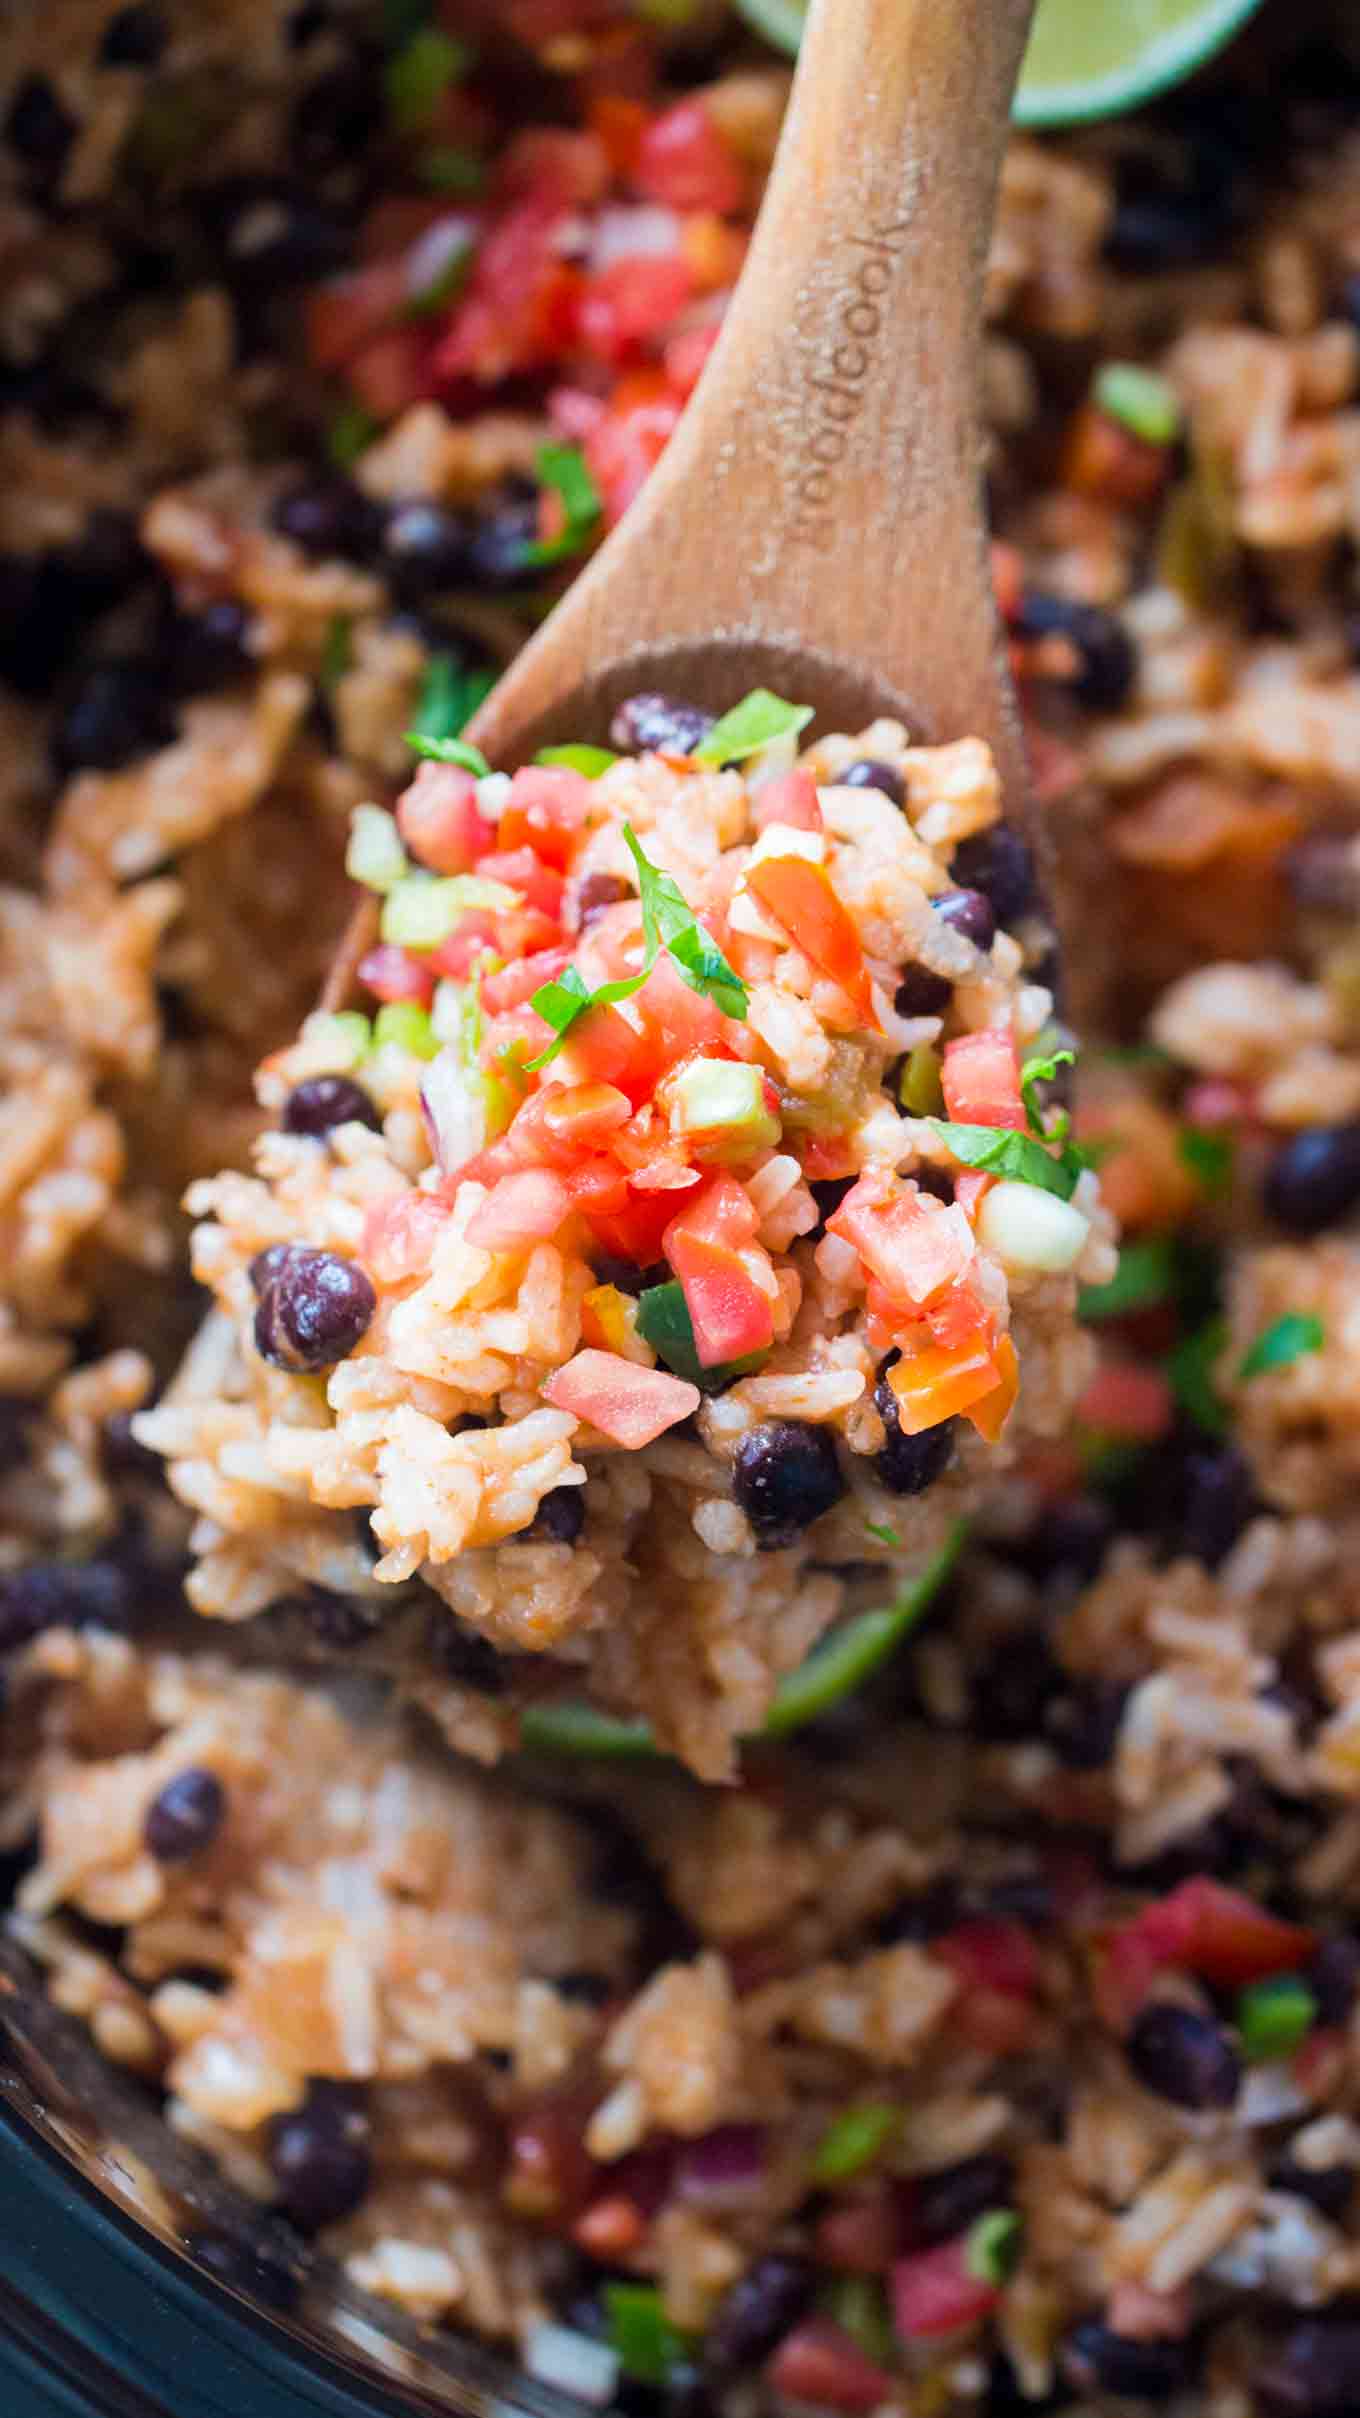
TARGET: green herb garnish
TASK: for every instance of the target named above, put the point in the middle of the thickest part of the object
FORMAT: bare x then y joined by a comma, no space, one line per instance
563,469
648,2346
884,1535
452,168
1208,1156
859,2305
1039,1070
853,2142
449,751
1275,2016
337,652
1141,401
992,2245
350,433
579,757
418,75
1190,1370
1145,1276
998,1151
755,723
449,698
1290,1338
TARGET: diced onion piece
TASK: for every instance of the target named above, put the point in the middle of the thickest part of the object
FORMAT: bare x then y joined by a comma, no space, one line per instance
453,1097
375,855
572,2363
1028,1228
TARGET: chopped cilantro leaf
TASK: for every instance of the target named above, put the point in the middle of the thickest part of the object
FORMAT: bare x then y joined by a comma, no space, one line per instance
1208,1157
449,751
1146,1275
452,168
418,75
998,1151
564,471
1190,1369
750,726
449,698
336,652
1289,1339
1039,1070
350,433
884,1534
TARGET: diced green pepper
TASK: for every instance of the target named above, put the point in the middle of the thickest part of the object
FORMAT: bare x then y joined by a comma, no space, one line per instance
919,1087
854,2141
421,910
579,757
647,2344
664,1322
992,2245
407,1027
859,2305
1275,2016
1141,401
724,1100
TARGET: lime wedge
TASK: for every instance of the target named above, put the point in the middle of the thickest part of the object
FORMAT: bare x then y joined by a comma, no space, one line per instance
841,1663
1092,58
1086,58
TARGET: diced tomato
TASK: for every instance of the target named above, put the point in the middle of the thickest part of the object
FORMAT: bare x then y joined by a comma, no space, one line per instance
1106,461
391,372
439,820
826,1158
1123,1399
574,413
557,166
523,1208
681,1022
565,1123
519,311
627,1223
619,124
626,306
474,936
610,2227
933,2293
630,436
991,1410
819,2362
551,2174
713,251
969,1187
685,355
914,1245
730,1315
514,984
400,1232
990,1954
721,1213
981,1080
605,1048
393,974
630,1405
684,161
1218,1933
346,313
792,799
521,869
546,811
860,2236
1008,579
803,901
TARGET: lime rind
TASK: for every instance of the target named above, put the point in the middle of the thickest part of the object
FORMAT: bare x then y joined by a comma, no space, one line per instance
833,1670
1050,96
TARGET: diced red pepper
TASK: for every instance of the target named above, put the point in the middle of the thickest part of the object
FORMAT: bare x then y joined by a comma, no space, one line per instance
981,1080
547,811
626,306
819,2362
610,2227
523,1208
685,162
792,800
934,2294
1219,1933
630,1405
439,819
803,901
392,974
729,1313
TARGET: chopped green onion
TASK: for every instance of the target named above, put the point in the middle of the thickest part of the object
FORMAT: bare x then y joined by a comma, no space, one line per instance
1289,1339
854,2141
919,1087
351,432
1274,2016
564,470
452,168
999,1151
337,652
417,77
422,910
760,719
1209,1157
1190,1369
344,1038
859,2305
883,1534
1145,1276
375,855
407,1027
647,2344
1141,401
449,751
449,698
992,2245
579,757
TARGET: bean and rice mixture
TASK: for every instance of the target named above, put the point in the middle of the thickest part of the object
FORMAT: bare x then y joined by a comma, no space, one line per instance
988,2038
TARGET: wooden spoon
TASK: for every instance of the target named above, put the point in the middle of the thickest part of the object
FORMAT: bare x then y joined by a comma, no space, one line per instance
815,525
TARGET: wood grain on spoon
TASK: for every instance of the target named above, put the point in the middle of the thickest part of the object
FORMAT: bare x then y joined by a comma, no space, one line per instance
815,525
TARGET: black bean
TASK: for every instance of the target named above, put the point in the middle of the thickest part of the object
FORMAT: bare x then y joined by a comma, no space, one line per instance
425,550
760,2308
1329,2189
584,1989
1315,2373
625,1274
313,1310
868,773
135,37
560,1516
1213,1498
186,1817
335,118
1323,871
1184,2056
828,1192
1014,1684
324,1101
266,1264
999,863
1107,660
117,712
922,993
255,2272
1334,1977
597,894
63,1595
921,1915
327,516
1069,1541
336,1621
122,1455
320,2156
1020,1897
785,1476
463,1656
271,233
106,560
1082,1726
946,2202
1097,2360
653,724
206,650
17,1413
306,23
968,912
39,129
1314,1179
909,1464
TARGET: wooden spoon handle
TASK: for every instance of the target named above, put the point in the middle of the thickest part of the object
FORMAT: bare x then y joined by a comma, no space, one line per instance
821,492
